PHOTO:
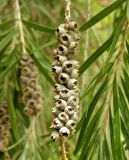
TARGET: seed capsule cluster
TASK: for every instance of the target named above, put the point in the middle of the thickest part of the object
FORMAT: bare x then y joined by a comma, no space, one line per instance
65,71
5,127
30,87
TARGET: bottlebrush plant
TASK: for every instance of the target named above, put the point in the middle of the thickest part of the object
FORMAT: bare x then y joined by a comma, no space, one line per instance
79,49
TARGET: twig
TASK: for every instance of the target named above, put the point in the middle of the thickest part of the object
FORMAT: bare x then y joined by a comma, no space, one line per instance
20,25
63,151
67,11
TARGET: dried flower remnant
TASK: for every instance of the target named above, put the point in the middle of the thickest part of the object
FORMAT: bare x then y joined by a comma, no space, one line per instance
65,71
31,89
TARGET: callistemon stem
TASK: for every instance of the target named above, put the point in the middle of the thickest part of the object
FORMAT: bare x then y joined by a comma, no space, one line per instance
19,25
67,11
63,150
65,72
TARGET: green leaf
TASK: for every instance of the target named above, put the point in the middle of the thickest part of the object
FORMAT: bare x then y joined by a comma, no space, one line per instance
39,55
89,133
97,79
6,23
124,109
107,150
118,31
125,134
95,55
4,42
39,27
9,68
85,119
12,113
125,86
113,146
43,71
105,12
116,124
127,10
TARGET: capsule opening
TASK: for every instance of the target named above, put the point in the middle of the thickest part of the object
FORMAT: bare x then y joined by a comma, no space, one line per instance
65,38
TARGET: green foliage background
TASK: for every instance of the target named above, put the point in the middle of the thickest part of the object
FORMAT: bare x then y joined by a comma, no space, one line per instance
103,129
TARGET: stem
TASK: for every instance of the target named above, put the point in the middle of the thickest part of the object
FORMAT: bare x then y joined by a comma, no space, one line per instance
67,11
20,25
63,151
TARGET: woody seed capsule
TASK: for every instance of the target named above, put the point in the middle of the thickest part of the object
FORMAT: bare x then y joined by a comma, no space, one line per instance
65,68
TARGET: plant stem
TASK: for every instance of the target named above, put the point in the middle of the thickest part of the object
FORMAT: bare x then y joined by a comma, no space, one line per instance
67,11
20,25
63,151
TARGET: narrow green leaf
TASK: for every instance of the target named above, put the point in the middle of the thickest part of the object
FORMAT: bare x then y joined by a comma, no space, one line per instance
39,55
118,31
51,43
4,42
43,71
125,86
39,27
125,134
95,55
105,12
124,109
12,113
116,124
6,23
89,133
101,75
107,150
85,119
8,68
113,146
127,10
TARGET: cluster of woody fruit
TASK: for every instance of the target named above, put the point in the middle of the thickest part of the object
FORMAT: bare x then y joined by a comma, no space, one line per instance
65,71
